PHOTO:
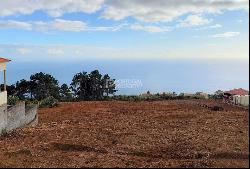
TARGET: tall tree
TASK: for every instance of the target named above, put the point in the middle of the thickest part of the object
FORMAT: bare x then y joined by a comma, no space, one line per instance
23,89
44,85
11,89
65,93
79,85
96,88
92,86
108,85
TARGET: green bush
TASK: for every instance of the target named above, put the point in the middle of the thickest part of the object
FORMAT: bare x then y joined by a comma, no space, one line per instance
13,100
32,102
48,102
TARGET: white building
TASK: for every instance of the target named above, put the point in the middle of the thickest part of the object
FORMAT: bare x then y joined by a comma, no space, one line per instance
3,94
16,116
237,96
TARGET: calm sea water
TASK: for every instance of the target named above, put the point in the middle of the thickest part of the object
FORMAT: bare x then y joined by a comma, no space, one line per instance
138,76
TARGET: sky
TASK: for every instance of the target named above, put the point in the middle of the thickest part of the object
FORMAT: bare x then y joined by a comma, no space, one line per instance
160,45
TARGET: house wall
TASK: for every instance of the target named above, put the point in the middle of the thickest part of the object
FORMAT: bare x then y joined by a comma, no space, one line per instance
3,98
188,95
205,95
244,100
2,66
236,99
241,100
17,116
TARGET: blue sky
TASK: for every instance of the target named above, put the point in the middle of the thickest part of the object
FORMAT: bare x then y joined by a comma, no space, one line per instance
128,31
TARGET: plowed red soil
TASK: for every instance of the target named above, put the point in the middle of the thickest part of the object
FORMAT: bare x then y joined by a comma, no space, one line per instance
131,134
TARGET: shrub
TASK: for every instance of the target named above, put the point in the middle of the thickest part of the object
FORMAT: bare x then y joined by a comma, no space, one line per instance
32,102
48,102
13,100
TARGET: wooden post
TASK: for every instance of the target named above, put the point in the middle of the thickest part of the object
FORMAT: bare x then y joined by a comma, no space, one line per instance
5,88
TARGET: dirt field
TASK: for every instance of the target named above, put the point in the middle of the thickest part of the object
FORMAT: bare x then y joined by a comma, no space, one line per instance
131,134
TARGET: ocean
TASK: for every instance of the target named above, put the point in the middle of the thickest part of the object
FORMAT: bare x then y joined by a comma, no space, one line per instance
139,76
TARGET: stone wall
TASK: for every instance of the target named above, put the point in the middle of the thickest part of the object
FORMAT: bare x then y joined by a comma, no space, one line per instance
31,115
17,116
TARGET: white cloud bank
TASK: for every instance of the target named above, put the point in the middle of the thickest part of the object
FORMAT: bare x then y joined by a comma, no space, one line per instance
143,10
54,8
81,52
151,11
166,10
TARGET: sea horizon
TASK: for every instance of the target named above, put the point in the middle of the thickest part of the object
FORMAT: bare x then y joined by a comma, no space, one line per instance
142,75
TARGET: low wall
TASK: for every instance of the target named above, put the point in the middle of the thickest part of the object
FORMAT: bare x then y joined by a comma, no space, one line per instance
31,115
17,116
3,118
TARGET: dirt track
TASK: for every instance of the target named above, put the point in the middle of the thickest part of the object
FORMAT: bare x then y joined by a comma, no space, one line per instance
131,134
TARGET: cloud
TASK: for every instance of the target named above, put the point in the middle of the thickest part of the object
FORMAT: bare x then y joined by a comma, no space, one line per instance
80,52
226,35
167,10
215,26
107,28
194,20
15,25
75,52
54,8
143,10
58,25
150,29
76,26
65,25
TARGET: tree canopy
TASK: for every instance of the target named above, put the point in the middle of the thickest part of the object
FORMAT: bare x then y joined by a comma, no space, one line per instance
84,86
92,86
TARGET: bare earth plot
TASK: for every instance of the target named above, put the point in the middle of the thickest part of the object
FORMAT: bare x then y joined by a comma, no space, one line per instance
131,134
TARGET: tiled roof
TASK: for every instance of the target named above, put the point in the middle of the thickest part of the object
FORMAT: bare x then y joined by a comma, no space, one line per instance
239,91
3,60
